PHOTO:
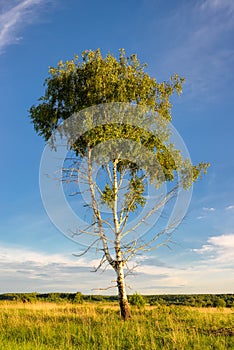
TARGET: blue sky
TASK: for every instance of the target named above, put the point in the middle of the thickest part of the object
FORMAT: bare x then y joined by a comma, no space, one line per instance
193,38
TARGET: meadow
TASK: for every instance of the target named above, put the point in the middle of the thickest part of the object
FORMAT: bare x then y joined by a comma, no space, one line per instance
67,326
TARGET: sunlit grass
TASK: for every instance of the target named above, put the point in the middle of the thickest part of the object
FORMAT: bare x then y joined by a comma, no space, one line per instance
90,326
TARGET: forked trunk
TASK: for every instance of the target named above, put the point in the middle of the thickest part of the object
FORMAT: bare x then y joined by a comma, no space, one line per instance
123,300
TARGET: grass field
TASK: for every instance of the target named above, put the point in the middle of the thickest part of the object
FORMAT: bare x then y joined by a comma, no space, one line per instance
90,326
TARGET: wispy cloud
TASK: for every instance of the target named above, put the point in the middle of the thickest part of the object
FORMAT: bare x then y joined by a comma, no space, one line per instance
200,217
205,212
19,255
13,18
208,208
215,5
203,53
218,250
196,277
29,270
230,207
23,270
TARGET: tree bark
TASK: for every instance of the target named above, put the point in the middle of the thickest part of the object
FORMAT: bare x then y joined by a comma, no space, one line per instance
123,300
119,263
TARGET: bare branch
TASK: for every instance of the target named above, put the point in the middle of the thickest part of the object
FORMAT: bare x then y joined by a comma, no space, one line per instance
147,246
108,224
89,247
97,211
98,189
130,271
115,200
110,287
109,172
165,200
74,193
102,261
122,174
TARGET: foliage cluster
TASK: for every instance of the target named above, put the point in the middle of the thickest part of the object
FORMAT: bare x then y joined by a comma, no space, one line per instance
137,300
93,79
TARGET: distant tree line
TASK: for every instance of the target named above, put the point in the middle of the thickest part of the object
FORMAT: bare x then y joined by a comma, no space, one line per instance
197,300
48,297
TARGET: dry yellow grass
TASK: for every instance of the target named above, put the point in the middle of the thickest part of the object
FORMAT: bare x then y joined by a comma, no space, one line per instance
97,326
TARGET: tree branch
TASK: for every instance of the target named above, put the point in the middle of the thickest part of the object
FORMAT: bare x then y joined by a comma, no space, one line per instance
86,250
97,212
165,200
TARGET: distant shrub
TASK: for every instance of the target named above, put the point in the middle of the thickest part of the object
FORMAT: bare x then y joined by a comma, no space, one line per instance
219,302
157,301
54,297
27,297
137,300
97,298
78,298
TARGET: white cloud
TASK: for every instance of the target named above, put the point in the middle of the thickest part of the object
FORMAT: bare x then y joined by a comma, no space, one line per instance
208,209
226,241
13,18
230,207
18,256
219,250
27,270
197,277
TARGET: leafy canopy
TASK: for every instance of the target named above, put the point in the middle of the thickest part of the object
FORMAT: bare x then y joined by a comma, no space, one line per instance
74,85
78,84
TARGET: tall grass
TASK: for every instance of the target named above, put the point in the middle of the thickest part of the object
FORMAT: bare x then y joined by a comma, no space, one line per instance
84,327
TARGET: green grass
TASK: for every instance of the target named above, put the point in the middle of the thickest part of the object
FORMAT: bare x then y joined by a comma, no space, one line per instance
84,327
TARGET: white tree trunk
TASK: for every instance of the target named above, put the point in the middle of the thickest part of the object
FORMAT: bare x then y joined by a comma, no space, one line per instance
123,300
119,264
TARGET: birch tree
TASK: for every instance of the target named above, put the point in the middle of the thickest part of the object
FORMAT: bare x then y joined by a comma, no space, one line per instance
115,120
